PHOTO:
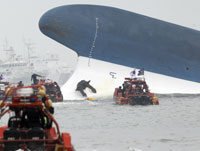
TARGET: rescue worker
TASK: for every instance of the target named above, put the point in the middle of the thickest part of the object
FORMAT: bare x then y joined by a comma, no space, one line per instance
34,78
84,84
59,94
31,118
48,104
119,90
125,86
34,117
20,84
1,77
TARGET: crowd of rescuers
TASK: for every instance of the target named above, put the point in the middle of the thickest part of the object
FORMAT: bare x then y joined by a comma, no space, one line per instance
33,117
133,87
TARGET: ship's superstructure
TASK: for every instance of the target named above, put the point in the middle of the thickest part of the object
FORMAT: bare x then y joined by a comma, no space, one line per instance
16,67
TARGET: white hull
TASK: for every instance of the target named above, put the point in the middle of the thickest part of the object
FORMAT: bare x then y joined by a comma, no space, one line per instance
99,72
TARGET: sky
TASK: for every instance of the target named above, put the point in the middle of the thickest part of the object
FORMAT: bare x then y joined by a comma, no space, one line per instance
19,20
19,25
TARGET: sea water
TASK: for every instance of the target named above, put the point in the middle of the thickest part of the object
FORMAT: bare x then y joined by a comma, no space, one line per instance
101,125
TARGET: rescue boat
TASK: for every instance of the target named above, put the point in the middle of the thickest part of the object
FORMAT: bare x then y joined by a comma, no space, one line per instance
3,87
30,124
135,92
52,90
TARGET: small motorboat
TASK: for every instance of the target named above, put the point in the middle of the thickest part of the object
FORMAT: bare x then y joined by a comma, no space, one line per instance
31,125
52,90
135,92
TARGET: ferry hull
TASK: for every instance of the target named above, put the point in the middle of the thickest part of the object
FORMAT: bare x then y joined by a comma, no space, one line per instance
169,53
126,38
105,77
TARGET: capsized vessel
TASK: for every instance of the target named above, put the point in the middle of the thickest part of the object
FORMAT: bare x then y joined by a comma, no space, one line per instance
113,37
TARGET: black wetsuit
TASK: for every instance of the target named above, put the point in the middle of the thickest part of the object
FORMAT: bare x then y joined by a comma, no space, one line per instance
84,84
57,89
34,78
20,84
32,118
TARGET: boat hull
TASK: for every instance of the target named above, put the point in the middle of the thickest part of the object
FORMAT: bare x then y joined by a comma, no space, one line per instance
105,77
126,38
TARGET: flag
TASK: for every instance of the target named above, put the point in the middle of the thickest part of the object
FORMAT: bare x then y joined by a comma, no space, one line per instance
133,73
141,72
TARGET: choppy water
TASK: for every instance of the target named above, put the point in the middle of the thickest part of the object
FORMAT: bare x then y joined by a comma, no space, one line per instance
174,125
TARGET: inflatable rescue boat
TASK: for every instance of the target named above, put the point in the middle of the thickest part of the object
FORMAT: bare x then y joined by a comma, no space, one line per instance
134,92
30,125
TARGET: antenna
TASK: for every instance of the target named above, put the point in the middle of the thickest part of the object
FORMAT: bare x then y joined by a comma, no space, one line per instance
29,46
10,52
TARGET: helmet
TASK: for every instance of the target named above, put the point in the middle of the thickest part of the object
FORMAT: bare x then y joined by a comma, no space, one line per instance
49,103
42,90
9,91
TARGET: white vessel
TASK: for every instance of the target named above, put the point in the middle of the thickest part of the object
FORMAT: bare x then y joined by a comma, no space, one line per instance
105,77
17,68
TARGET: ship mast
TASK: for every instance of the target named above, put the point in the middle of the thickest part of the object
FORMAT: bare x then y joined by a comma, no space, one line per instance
10,53
29,47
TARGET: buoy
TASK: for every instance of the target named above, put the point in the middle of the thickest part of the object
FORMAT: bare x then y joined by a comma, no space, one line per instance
90,99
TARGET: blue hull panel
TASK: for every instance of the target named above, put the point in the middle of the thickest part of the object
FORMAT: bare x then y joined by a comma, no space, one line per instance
126,38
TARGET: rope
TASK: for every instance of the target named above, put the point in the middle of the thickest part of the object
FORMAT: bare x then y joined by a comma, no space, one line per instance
94,41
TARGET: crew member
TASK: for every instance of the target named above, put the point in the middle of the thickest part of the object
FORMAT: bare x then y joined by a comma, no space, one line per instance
31,118
34,78
119,90
57,89
20,84
1,77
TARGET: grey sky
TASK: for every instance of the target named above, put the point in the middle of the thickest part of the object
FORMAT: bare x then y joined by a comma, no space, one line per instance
19,18
19,22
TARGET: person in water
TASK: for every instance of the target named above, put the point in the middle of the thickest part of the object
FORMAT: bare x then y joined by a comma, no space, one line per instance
82,85
34,78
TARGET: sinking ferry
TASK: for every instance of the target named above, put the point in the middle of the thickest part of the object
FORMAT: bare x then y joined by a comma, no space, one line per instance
110,41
